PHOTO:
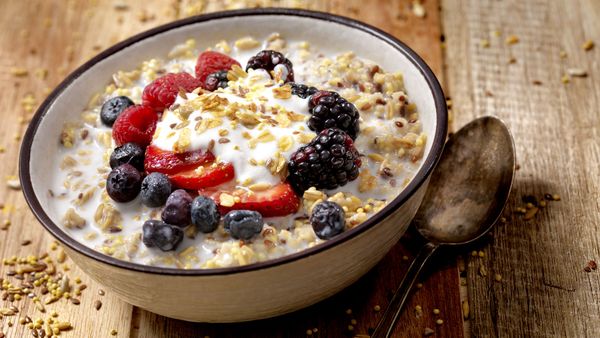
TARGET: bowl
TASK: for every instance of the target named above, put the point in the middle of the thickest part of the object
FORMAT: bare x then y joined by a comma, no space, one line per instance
260,290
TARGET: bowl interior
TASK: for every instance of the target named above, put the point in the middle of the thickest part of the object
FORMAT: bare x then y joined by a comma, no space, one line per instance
326,36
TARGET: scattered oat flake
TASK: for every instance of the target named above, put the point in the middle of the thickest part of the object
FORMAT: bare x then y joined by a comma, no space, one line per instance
418,9
512,39
19,72
588,45
577,72
13,183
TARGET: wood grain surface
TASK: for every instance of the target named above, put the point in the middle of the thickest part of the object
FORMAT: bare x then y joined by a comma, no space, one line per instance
544,289
66,33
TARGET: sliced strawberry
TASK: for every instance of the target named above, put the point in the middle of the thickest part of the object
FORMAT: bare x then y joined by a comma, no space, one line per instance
162,92
135,124
210,175
211,62
279,200
168,162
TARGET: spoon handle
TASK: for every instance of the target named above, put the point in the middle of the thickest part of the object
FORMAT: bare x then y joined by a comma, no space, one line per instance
388,321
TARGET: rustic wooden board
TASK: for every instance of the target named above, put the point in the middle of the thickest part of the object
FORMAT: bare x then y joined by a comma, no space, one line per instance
544,291
65,34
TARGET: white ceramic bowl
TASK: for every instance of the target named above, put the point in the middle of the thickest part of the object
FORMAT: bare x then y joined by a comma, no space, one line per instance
258,290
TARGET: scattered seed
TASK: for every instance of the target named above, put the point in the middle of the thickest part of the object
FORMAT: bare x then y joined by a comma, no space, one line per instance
556,197
588,45
75,301
97,305
377,308
498,277
465,309
349,311
439,322
428,332
482,270
530,214
113,332
101,292
350,328
25,242
537,82
512,39
436,311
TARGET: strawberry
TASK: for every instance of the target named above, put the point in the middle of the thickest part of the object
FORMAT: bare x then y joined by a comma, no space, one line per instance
162,92
211,62
135,124
168,162
211,174
279,200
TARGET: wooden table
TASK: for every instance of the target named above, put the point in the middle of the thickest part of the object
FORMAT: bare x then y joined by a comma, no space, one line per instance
507,58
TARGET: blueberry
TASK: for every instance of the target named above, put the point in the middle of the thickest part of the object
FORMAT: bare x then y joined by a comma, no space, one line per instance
205,214
243,224
112,108
123,183
161,235
128,153
156,188
327,219
177,208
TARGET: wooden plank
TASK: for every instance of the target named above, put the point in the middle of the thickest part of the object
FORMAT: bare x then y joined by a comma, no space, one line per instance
544,291
62,36
65,34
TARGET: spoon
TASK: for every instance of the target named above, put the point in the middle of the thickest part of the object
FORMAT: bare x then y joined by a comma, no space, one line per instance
465,197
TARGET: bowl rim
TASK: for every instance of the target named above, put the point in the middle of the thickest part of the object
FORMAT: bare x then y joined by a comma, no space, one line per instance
420,177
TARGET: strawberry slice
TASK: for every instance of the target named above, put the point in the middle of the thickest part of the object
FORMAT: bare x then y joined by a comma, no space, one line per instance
168,162
209,175
279,200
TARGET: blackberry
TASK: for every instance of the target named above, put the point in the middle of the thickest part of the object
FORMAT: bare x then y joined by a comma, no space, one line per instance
270,60
327,219
216,80
327,162
302,91
330,110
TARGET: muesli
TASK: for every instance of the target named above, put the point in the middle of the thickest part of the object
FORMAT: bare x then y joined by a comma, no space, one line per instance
238,153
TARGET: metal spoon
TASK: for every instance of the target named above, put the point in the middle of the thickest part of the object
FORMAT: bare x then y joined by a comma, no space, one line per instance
465,197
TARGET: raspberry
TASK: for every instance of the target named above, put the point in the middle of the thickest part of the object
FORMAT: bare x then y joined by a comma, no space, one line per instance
330,110
212,62
269,60
302,91
216,80
135,124
329,161
162,92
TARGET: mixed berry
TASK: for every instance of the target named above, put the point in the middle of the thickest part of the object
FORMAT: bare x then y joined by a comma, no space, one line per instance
189,185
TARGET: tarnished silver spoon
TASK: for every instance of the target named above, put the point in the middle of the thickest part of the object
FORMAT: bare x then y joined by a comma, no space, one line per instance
465,197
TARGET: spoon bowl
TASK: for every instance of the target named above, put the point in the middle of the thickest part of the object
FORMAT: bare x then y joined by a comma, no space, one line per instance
470,184
465,198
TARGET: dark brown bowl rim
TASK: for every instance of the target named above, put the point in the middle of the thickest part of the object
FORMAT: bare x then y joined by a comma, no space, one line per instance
426,169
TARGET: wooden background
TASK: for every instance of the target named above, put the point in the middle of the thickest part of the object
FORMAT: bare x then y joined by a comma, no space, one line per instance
527,280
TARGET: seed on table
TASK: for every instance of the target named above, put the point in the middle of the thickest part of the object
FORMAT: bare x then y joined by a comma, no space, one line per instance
377,308
439,322
75,301
498,277
465,309
97,305
113,332
436,311
428,332
101,292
